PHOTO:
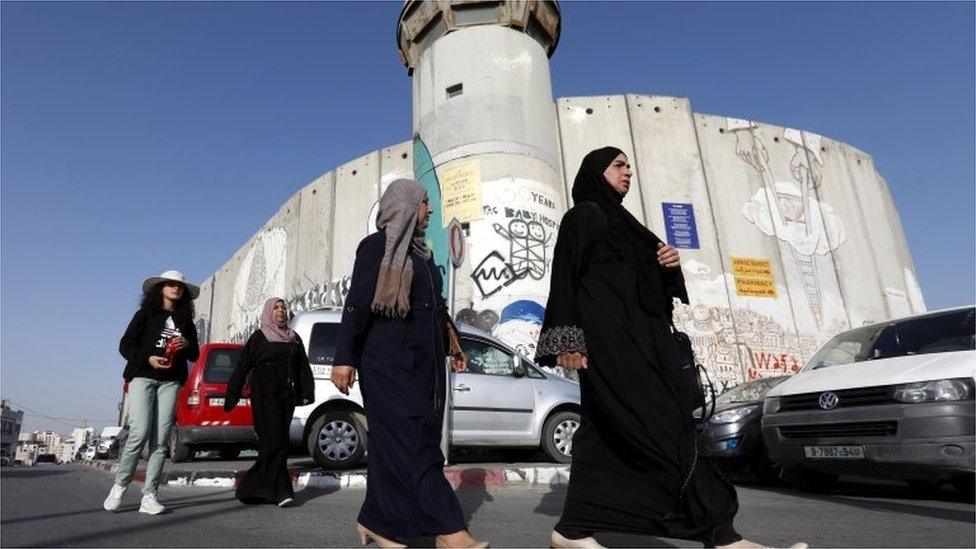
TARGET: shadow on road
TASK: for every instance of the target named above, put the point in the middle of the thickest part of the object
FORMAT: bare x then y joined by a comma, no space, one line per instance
33,472
171,503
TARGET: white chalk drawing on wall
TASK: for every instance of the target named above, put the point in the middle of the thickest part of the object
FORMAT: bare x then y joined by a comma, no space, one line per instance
808,229
261,275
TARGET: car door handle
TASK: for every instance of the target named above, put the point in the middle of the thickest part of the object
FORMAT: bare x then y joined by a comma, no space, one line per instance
462,388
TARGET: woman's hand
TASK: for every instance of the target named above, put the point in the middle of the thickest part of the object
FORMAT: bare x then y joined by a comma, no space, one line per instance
668,256
179,342
459,362
572,361
158,363
342,378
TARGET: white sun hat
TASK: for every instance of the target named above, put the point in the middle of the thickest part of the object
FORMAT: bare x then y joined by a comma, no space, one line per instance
171,275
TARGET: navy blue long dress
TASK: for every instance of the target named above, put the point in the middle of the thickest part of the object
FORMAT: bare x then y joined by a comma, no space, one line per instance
401,372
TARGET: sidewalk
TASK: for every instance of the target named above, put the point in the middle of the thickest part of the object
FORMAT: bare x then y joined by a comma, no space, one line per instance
305,474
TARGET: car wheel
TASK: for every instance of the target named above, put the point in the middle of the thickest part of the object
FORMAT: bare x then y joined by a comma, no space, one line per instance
229,453
557,436
337,440
809,480
966,484
178,451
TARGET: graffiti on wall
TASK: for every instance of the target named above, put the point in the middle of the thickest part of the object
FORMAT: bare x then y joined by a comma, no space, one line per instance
787,208
261,275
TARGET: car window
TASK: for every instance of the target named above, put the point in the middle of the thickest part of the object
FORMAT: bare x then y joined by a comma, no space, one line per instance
487,359
936,333
531,370
322,343
220,365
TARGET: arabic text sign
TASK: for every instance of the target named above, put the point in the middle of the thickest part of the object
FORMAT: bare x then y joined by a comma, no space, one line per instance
753,277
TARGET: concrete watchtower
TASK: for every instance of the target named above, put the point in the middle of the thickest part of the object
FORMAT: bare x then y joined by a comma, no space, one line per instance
481,76
482,96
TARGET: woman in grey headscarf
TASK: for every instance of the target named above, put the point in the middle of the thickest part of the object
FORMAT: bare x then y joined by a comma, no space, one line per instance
396,334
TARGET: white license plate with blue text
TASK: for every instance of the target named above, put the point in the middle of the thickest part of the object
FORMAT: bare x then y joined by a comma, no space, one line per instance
834,452
220,402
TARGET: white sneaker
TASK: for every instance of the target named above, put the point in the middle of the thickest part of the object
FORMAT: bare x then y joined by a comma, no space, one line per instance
150,506
114,497
286,502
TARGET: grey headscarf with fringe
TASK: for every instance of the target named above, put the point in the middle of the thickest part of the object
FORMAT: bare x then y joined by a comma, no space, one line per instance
398,217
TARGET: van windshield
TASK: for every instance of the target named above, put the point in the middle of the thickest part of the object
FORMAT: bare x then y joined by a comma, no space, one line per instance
221,364
936,333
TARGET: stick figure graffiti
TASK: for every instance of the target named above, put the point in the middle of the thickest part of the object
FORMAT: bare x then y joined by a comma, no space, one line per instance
527,247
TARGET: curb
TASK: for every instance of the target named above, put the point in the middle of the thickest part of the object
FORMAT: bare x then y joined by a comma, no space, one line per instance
461,477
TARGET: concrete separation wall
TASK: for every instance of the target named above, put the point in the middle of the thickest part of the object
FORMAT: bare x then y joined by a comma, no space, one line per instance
787,237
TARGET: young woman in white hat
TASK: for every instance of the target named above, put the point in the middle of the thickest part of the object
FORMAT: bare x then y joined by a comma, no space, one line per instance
159,341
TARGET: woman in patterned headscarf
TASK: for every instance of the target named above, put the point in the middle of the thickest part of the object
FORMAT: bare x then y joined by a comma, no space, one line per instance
396,334
635,461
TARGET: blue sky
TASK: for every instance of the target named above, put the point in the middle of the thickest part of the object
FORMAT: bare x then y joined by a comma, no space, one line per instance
138,136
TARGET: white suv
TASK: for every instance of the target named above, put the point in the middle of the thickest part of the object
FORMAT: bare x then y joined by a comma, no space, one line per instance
503,400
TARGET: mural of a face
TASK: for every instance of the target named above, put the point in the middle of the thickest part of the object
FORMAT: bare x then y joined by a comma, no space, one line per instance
537,233
791,207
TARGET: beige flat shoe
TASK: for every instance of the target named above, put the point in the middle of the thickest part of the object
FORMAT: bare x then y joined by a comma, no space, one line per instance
558,541
366,535
472,544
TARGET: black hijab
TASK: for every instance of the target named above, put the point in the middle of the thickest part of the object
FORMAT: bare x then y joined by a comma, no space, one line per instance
636,245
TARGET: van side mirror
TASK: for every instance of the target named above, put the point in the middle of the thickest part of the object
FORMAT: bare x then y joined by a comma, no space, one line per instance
519,370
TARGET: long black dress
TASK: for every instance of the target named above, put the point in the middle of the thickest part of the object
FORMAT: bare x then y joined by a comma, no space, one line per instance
280,378
401,372
635,462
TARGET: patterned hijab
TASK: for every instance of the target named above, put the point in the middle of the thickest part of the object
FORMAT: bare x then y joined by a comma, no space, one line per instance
398,217
271,330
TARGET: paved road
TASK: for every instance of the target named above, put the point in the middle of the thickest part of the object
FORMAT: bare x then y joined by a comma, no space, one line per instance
61,506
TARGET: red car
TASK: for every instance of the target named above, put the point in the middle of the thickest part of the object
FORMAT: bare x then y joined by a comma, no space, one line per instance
201,422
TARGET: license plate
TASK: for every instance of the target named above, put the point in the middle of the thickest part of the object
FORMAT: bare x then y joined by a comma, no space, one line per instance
834,452
220,402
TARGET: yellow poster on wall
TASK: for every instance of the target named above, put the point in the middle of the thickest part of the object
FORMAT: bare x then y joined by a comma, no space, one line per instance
461,193
753,277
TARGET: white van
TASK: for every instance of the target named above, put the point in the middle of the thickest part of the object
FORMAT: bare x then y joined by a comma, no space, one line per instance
890,399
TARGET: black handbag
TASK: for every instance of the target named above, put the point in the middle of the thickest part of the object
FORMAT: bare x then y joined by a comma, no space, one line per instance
695,377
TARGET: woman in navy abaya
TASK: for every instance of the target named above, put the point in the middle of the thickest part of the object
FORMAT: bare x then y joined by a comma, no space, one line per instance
396,334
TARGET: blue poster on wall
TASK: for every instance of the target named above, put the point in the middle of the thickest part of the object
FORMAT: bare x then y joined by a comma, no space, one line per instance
679,223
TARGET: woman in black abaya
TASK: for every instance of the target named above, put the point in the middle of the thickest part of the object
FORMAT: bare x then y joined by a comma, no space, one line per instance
635,462
276,367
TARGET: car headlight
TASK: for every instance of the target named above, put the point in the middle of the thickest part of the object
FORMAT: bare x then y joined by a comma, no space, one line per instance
732,416
940,390
770,405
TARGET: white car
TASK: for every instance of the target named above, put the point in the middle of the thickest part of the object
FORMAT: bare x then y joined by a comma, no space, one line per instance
503,400
892,399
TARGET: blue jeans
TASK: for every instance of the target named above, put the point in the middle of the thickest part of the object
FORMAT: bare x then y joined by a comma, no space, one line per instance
151,408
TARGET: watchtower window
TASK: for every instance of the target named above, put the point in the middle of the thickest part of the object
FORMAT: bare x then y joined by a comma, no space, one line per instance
455,90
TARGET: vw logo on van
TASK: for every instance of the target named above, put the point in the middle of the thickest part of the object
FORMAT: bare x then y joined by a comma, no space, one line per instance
828,400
